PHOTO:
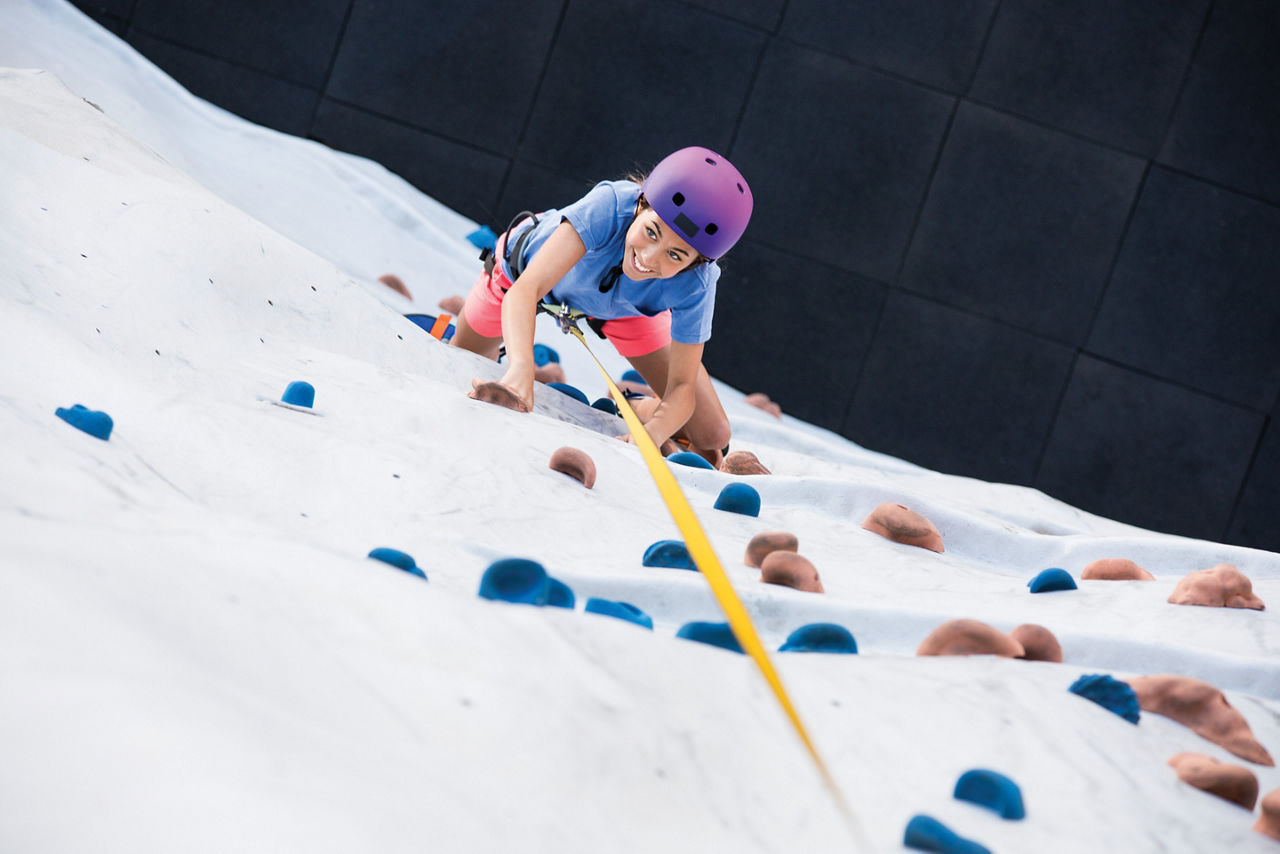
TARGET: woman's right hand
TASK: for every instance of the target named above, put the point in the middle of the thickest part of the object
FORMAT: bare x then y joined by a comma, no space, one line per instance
503,393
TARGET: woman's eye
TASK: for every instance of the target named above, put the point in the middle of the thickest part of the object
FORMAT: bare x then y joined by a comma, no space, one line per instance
653,235
673,256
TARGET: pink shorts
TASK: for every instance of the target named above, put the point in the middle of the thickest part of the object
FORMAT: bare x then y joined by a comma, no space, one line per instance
630,336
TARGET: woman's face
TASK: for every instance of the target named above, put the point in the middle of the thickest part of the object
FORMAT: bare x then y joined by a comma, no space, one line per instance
654,251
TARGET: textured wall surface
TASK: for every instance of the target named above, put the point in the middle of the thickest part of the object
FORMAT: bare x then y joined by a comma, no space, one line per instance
1032,241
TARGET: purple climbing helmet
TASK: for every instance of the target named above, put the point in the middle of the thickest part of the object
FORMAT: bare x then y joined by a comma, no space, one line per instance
702,196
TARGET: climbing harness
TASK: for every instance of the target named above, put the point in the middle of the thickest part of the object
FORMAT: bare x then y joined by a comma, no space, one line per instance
704,557
512,253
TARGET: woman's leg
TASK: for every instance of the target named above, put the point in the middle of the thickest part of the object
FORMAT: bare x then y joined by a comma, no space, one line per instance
468,339
707,430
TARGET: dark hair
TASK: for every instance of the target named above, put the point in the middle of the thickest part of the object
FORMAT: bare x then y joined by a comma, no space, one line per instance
642,203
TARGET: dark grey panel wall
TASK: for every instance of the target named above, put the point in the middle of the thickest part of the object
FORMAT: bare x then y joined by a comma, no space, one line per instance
1025,240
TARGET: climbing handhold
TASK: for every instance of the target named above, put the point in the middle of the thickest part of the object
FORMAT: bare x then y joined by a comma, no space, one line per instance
565,388
925,833
969,637
760,400
559,594
901,524
672,554
1115,569
690,459
549,373
91,421
497,394
1112,694
395,283
452,304
483,238
542,354
515,579
770,541
633,377
821,637
992,790
620,610
742,463
789,569
715,634
576,464
437,327
604,404
1050,580
1038,643
1204,710
299,393
1231,782
738,498
1222,586
398,559
1268,823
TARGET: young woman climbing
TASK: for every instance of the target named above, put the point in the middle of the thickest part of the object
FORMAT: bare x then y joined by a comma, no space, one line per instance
637,256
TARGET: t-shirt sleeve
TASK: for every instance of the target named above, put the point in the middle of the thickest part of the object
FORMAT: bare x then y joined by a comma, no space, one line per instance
595,215
691,317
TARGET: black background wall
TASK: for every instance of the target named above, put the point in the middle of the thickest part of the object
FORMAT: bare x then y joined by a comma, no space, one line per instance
1031,241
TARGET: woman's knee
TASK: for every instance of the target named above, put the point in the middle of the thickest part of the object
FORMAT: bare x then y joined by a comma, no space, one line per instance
711,431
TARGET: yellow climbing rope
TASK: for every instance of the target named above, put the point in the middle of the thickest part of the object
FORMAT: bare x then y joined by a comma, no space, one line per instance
709,565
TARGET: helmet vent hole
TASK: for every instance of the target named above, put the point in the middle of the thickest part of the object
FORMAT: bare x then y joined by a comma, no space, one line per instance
677,199
709,160
740,190
711,228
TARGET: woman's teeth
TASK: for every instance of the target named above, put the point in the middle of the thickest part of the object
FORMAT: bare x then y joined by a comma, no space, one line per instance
635,261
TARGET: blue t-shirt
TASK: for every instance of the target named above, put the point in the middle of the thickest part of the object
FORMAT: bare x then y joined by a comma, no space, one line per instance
601,218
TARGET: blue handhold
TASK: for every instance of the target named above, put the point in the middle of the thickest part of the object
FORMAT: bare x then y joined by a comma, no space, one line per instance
398,559
428,322
739,498
715,634
559,594
992,790
621,610
672,554
1112,694
604,404
1052,579
542,354
516,579
300,393
91,421
483,238
633,377
690,459
821,637
925,833
571,391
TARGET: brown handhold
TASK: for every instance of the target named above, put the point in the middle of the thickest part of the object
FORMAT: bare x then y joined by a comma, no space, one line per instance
790,570
393,281
1228,781
903,525
762,401
762,545
1268,822
497,393
576,464
969,637
1038,643
742,462
1222,586
452,305
1115,569
551,372
1201,707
